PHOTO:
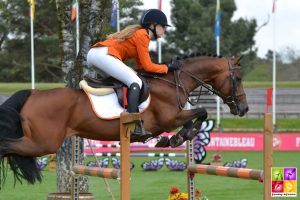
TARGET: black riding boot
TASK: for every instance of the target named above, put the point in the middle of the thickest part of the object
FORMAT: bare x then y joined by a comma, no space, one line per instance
133,101
133,98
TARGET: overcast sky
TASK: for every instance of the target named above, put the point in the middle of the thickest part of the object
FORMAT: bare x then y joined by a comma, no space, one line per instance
287,18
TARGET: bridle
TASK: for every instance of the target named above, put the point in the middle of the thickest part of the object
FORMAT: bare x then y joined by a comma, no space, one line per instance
233,98
230,100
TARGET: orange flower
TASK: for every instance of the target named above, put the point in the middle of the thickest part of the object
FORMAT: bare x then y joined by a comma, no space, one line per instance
217,157
198,193
174,190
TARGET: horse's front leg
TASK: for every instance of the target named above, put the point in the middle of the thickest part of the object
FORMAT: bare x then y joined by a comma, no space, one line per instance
185,117
189,129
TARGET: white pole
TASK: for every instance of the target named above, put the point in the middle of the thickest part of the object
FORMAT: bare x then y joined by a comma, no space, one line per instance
190,160
159,49
158,43
118,16
77,28
218,98
274,72
76,140
32,49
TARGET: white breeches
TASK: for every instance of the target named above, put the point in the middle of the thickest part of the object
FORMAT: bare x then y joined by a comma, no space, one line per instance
112,66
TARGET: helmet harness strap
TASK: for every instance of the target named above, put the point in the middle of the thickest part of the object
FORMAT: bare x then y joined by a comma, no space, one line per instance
153,31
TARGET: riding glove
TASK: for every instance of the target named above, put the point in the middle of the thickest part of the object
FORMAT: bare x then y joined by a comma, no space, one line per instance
173,65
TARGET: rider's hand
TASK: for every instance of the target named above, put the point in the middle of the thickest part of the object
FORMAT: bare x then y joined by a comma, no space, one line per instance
173,65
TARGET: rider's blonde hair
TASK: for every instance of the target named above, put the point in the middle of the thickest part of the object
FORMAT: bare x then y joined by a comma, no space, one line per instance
125,33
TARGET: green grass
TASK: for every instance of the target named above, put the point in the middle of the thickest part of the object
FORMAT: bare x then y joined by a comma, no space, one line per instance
6,88
156,185
261,71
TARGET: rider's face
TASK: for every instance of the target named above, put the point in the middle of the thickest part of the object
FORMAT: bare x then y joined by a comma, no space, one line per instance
160,30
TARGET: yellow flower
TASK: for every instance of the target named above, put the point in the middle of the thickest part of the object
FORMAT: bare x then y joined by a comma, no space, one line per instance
178,196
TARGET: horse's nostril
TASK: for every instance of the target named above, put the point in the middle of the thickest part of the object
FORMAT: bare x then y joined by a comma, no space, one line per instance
247,109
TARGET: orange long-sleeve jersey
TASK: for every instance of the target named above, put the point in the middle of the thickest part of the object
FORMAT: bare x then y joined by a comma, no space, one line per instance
135,47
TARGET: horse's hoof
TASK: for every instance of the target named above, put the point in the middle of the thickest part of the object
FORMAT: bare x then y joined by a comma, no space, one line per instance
190,135
140,137
202,115
194,131
163,142
176,141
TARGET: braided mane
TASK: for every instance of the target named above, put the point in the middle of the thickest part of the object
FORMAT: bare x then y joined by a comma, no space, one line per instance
198,54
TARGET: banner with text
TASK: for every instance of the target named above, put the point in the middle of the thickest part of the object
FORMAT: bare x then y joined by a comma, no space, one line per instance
218,141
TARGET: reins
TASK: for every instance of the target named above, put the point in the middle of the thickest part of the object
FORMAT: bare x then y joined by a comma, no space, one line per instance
178,84
232,99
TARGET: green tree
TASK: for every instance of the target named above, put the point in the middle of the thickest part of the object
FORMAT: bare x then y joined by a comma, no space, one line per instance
194,22
129,13
269,56
15,54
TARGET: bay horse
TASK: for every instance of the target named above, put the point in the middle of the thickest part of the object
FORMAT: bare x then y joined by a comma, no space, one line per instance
35,122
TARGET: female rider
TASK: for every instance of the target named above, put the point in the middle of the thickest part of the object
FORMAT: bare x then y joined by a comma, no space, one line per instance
131,43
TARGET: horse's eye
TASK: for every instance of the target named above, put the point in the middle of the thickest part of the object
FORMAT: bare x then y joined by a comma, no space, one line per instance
238,79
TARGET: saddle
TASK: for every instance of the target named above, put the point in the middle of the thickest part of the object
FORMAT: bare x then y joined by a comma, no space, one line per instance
104,86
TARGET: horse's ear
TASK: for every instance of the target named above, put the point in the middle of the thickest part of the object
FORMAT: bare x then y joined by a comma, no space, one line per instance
239,59
236,61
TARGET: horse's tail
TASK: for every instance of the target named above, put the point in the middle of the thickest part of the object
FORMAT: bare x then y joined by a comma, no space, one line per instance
10,132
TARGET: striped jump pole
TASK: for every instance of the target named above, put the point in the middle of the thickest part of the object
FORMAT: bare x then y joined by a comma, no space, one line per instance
142,154
226,171
95,146
75,161
109,173
243,173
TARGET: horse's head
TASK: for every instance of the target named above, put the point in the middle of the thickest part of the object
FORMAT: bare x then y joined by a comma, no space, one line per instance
229,87
224,75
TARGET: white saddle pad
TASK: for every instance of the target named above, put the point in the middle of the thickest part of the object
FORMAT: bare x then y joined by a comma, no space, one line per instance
107,106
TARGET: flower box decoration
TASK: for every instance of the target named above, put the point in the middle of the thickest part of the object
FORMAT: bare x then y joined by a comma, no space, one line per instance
216,160
175,194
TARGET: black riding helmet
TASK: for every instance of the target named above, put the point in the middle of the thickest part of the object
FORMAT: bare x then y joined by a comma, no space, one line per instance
153,16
